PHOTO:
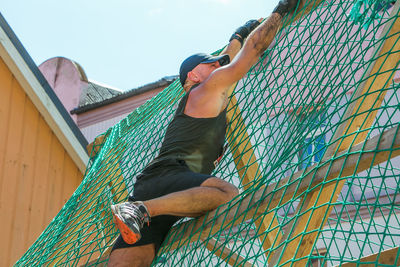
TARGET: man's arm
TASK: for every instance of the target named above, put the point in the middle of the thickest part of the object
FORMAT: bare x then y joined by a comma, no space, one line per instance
210,97
237,39
232,49
257,42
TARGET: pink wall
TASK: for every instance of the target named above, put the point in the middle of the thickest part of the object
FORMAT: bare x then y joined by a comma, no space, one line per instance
67,80
97,121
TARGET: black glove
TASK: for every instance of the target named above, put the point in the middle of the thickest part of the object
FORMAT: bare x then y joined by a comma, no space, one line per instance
242,32
285,6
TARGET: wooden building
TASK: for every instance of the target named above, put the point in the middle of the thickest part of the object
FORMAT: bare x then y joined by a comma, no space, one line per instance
42,151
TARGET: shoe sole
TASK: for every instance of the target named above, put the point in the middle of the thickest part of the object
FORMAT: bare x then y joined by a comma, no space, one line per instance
127,234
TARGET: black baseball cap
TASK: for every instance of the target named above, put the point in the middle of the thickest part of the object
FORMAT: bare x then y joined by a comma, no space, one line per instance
191,62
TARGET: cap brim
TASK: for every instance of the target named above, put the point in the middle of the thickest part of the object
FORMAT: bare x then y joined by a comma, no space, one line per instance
223,59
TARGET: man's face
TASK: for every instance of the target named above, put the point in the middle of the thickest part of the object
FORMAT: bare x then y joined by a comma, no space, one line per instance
204,70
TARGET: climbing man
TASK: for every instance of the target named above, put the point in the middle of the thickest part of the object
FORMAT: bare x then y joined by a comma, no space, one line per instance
178,182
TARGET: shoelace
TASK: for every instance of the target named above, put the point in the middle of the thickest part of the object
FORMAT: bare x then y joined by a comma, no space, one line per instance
133,215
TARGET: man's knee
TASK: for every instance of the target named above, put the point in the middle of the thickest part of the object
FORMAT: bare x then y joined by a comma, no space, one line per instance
228,189
233,191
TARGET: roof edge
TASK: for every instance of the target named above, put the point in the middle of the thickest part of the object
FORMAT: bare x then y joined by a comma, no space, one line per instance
165,81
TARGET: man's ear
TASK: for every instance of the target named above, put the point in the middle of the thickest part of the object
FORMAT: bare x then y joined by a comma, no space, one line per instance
193,77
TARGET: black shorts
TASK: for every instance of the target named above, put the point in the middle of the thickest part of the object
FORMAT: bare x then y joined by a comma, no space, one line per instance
158,180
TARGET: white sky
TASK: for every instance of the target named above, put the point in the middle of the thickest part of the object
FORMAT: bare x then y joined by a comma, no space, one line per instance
127,43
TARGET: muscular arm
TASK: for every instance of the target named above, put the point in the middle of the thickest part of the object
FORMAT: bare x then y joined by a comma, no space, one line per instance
209,98
257,42
241,33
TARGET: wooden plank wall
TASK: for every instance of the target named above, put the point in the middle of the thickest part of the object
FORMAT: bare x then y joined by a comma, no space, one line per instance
37,176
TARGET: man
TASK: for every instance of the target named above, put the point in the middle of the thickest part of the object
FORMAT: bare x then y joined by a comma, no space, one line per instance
177,183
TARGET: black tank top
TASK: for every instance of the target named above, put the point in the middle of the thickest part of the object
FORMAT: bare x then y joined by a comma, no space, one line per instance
197,141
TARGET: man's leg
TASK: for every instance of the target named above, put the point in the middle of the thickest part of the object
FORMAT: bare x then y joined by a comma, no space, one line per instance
130,217
139,256
195,201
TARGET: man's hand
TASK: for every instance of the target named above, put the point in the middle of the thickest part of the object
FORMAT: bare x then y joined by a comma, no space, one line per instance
242,32
285,6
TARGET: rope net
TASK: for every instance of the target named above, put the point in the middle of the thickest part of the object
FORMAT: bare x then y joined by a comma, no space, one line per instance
313,148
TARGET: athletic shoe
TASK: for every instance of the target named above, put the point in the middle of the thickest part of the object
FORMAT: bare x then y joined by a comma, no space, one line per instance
130,218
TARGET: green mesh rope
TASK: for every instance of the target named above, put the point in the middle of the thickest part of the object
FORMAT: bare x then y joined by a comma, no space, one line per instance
314,149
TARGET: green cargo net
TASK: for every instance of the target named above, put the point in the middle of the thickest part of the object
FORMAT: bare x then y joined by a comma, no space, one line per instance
314,144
